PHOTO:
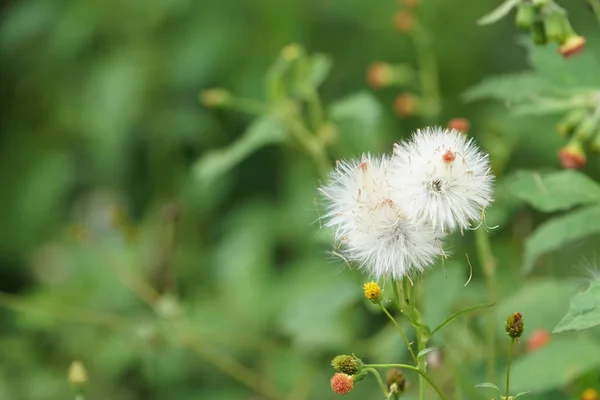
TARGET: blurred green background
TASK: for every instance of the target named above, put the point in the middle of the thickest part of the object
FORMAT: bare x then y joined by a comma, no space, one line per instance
113,251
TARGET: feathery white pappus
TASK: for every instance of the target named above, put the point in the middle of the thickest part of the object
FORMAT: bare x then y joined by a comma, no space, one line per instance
440,176
371,228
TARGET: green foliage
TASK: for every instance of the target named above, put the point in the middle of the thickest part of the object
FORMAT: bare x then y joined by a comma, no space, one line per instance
584,311
498,13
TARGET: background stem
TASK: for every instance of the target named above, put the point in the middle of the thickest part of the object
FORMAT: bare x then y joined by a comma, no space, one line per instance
510,348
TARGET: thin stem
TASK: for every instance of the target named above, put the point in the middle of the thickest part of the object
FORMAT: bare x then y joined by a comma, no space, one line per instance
399,329
315,110
379,380
510,349
595,5
419,371
311,144
248,106
486,260
428,70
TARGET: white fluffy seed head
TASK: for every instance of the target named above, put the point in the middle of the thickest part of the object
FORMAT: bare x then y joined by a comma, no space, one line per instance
442,177
371,228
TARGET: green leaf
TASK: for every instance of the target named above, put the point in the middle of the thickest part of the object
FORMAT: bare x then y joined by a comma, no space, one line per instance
489,385
556,190
460,313
584,311
501,11
521,394
555,365
357,118
426,351
263,131
509,87
559,232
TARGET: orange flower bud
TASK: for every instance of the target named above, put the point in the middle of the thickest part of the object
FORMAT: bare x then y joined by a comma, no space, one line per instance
406,104
380,75
341,383
459,124
572,156
538,339
572,45
404,21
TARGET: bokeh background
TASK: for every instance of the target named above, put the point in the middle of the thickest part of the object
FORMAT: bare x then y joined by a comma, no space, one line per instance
115,252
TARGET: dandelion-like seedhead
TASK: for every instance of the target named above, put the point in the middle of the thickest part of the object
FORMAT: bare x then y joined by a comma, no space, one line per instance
391,213
372,229
442,177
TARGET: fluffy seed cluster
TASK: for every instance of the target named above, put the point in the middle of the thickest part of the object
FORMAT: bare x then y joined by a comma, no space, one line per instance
391,213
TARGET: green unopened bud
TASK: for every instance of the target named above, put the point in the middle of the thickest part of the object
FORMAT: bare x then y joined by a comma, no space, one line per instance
596,142
555,23
567,125
350,365
539,3
395,380
538,33
586,129
525,16
514,325
214,97
77,375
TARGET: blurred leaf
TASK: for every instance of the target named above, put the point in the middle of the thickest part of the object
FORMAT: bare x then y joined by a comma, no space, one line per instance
263,131
317,69
426,351
26,20
584,311
521,394
559,232
510,87
555,365
555,191
501,11
357,118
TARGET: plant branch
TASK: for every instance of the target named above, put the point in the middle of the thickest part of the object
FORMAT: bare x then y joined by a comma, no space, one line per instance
399,329
419,371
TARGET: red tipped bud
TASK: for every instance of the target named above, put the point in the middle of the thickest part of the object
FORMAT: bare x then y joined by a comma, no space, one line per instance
341,383
538,339
380,75
572,45
404,21
459,124
406,104
514,325
572,156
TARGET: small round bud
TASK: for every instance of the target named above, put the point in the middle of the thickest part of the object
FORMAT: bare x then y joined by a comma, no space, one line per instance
525,16
406,104
77,375
380,75
572,156
538,339
214,97
572,45
341,383
459,124
410,3
514,325
589,394
404,21
349,365
291,52
372,292
538,33
395,378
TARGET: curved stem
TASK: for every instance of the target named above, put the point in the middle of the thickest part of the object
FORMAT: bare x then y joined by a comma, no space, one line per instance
419,371
379,380
510,348
595,5
486,260
399,329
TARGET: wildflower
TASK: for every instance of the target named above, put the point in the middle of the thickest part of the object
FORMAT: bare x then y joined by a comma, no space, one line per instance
349,365
572,156
442,177
459,124
373,230
341,383
538,339
572,46
372,292
395,377
514,325
406,104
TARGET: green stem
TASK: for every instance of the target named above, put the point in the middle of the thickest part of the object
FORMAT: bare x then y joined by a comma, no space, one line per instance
311,144
248,106
419,371
428,70
379,380
595,4
315,110
399,329
510,349
486,260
